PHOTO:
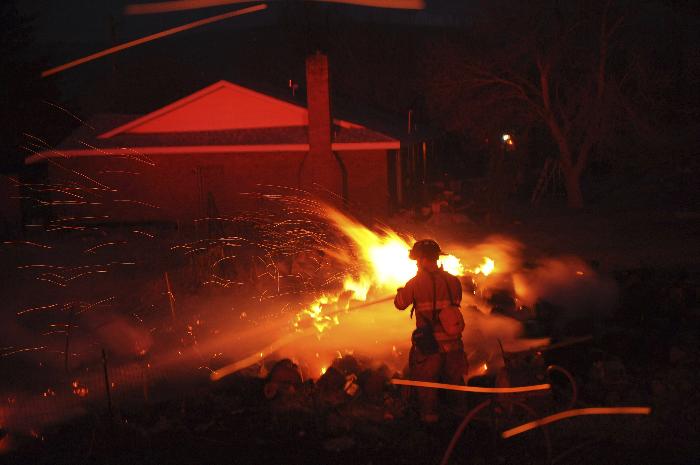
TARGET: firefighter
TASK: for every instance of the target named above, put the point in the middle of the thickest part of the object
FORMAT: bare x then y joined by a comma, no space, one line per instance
435,355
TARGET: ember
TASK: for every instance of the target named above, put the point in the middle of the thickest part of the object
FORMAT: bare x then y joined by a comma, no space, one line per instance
79,390
162,227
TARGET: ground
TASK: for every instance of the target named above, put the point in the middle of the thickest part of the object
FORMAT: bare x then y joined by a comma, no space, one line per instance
643,354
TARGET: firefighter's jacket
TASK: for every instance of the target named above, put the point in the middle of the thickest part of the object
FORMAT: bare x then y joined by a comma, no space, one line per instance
418,292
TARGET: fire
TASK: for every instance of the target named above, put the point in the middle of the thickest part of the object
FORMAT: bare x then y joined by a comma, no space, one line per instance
452,265
376,263
79,390
321,322
384,254
388,258
381,264
486,267
359,288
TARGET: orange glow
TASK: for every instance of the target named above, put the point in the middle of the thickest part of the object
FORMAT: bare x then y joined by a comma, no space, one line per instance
384,266
481,390
338,320
385,254
255,358
574,413
320,321
79,390
181,5
452,265
486,267
149,38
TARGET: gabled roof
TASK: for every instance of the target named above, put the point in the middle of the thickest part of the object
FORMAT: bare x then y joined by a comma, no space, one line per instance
221,118
219,107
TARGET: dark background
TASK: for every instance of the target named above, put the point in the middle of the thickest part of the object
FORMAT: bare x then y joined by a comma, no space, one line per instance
393,62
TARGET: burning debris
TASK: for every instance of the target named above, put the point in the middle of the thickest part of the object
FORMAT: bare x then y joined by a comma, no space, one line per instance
310,323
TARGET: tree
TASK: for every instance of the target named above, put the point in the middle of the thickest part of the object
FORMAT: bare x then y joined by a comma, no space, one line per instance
558,64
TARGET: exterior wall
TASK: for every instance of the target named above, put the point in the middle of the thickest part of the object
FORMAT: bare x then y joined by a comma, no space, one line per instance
174,188
367,175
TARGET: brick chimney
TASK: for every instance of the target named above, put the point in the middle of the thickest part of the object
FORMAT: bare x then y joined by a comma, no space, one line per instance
321,168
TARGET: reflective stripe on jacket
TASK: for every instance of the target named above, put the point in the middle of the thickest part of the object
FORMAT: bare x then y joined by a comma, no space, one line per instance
418,291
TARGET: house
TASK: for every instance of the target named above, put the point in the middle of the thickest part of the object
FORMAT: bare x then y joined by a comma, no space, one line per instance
211,152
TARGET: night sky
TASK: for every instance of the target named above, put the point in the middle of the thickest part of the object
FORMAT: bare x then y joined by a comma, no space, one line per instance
388,61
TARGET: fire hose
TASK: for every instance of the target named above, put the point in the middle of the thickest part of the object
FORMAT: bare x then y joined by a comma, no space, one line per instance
280,343
477,389
574,413
470,416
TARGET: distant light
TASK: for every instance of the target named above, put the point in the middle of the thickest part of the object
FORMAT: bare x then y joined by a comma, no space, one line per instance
505,137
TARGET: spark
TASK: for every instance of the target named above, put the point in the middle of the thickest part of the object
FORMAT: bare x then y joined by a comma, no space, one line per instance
61,167
91,306
43,246
28,349
46,102
78,218
223,282
137,157
130,173
136,231
137,202
44,307
228,257
92,249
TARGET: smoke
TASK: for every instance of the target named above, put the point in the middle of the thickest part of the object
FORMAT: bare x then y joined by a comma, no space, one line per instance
117,335
504,251
569,286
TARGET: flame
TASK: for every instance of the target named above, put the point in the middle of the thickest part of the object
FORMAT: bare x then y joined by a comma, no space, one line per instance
314,311
381,264
486,267
384,254
452,265
79,390
359,288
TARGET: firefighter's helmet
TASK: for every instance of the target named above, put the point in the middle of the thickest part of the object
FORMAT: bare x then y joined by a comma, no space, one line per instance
426,248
